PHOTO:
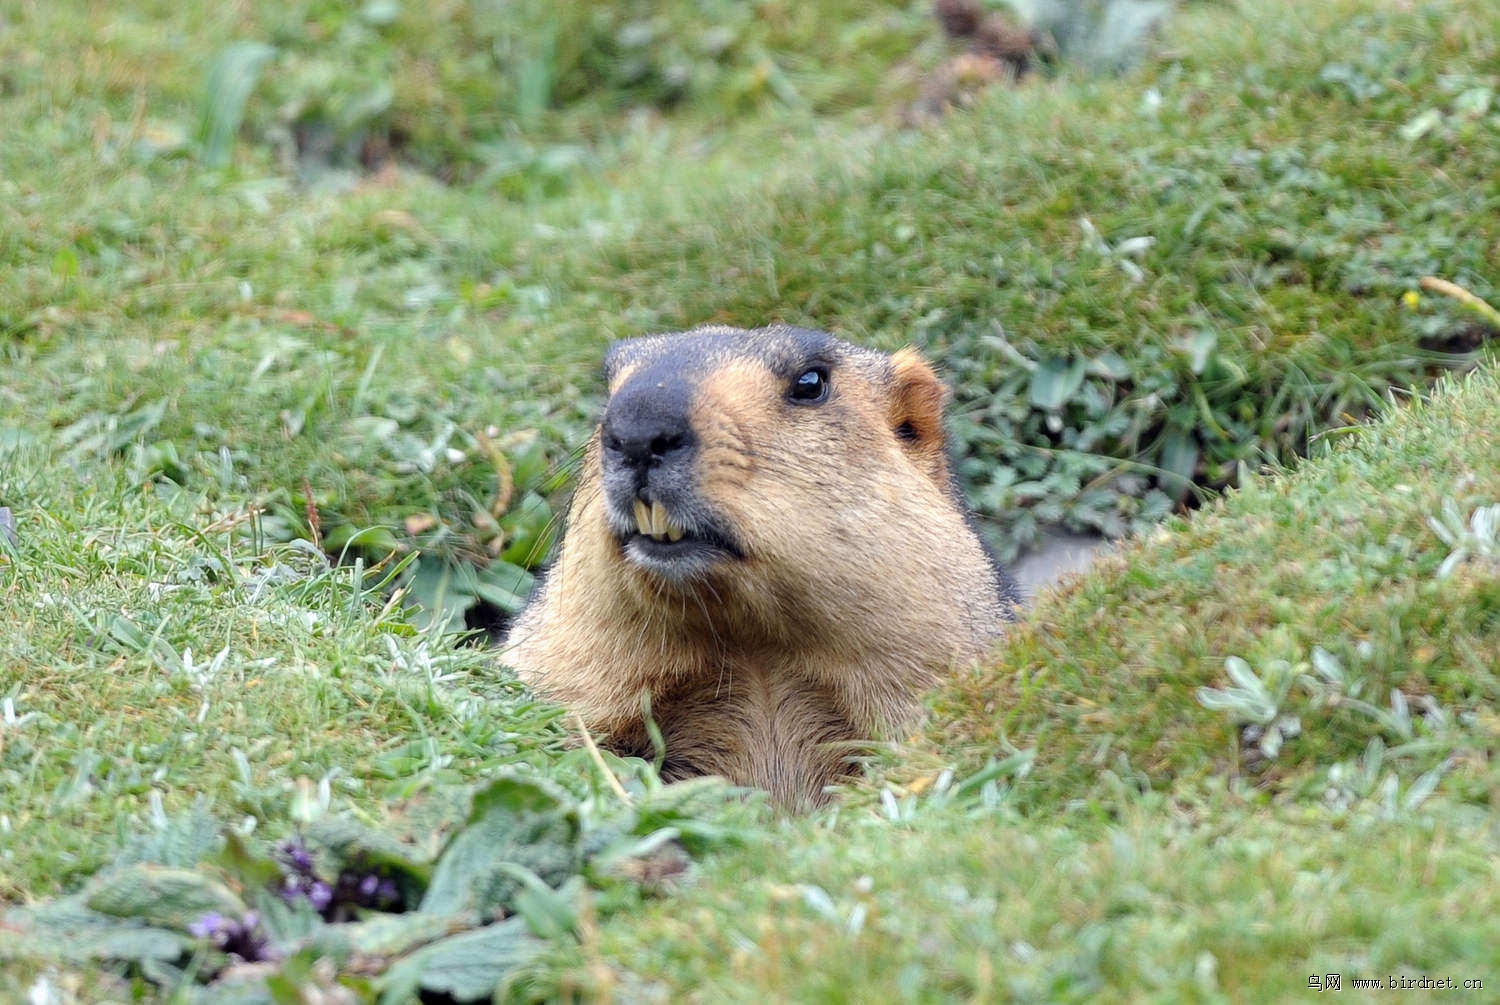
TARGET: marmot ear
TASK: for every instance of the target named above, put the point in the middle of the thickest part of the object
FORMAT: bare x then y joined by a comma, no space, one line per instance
916,410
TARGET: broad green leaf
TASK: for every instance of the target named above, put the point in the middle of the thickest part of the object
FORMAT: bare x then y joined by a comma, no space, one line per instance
515,821
187,839
344,843
528,463
245,863
382,935
469,966
1179,455
1110,365
549,913
286,925
529,529
1055,381
440,594
158,895
377,541
67,932
505,585
237,986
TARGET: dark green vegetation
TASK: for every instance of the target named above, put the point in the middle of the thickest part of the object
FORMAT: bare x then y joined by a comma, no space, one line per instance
376,324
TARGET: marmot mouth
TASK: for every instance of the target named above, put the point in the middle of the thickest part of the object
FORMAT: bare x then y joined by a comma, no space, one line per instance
656,523
661,545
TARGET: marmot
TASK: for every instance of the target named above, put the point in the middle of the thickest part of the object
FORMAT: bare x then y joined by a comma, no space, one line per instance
767,549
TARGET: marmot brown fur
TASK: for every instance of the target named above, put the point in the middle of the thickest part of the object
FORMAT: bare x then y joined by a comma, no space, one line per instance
768,549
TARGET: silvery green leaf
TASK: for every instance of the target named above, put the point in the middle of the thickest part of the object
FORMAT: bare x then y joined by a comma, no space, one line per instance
816,898
1328,666
549,913
1423,124
380,935
1390,786
1109,365
231,80
1179,456
380,12
1400,712
1247,706
1474,102
1240,672
1201,349
1486,521
1425,784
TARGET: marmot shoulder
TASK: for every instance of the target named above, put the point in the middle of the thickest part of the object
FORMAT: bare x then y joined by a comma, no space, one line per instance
766,549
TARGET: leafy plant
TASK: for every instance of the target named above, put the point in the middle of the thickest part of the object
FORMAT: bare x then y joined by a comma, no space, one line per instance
1089,442
1372,779
1257,701
1478,538
1262,702
204,911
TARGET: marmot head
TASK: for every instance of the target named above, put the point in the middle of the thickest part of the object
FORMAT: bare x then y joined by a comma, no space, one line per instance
766,545
780,458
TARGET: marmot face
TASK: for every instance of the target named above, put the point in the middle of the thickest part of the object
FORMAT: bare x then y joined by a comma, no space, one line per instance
765,554
740,459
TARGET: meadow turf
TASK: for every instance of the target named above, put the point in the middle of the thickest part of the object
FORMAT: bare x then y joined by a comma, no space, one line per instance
1083,825
244,378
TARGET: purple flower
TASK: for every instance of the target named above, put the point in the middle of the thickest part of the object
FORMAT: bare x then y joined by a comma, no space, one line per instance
297,856
319,895
388,893
238,938
209,926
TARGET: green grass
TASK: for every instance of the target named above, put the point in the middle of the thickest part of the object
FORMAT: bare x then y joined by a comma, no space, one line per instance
1129,851
1340,556
158,650
1198,903
205,369
1289,215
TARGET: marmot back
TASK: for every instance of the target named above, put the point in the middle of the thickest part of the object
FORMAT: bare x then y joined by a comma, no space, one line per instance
767,548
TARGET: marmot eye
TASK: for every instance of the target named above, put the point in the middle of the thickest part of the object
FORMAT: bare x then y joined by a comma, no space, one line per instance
810,387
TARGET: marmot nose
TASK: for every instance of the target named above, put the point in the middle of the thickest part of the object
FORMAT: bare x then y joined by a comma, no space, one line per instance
646,424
